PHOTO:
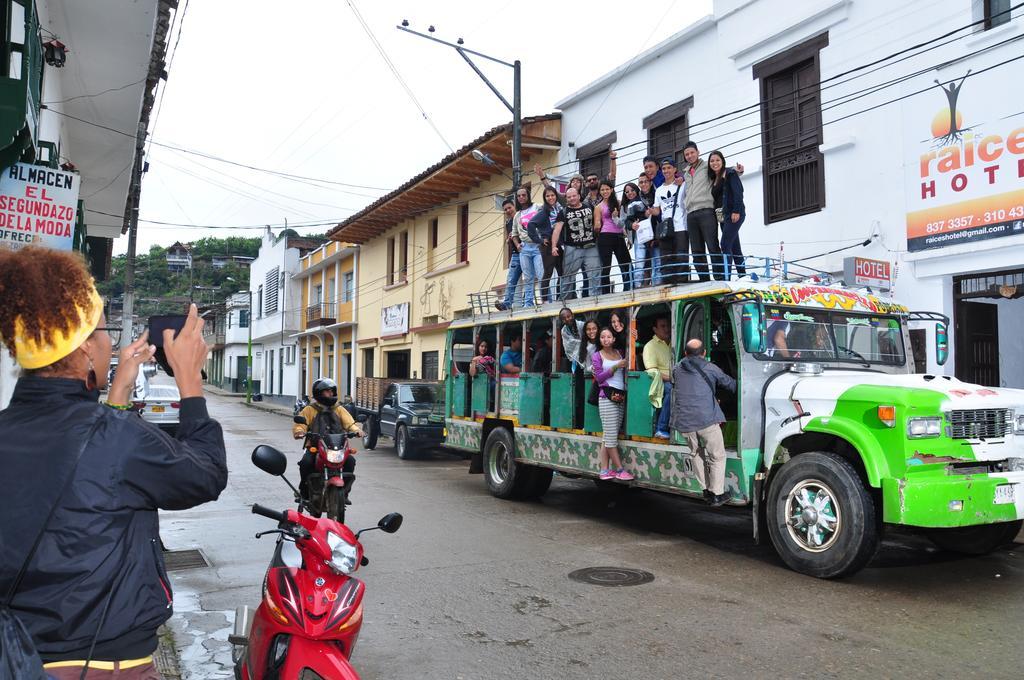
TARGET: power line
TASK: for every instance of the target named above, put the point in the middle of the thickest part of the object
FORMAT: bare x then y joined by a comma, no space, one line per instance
398,76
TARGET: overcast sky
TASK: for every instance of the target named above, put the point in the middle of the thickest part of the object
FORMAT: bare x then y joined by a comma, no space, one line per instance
304,91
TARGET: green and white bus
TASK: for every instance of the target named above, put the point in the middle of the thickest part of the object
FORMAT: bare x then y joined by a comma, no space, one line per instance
831,436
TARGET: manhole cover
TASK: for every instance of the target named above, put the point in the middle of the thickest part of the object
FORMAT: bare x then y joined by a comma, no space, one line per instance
180,560
611,577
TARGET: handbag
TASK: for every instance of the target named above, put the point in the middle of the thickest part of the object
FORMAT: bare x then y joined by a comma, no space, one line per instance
644,231
667,227
615,395
19,659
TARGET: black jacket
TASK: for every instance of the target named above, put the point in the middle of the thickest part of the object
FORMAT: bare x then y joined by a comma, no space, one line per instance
104,533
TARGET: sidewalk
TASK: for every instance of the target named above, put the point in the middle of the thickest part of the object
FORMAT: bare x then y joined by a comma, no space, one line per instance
267,406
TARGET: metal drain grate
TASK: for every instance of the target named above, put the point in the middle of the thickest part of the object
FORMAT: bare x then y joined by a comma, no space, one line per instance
611,577
180,560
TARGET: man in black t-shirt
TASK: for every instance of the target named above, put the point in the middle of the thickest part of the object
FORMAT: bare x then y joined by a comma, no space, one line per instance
577,235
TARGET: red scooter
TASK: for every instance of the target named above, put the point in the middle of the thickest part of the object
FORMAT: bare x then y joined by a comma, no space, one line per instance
308,622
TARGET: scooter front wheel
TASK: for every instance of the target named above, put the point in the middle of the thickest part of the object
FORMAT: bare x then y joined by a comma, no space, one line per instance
334,502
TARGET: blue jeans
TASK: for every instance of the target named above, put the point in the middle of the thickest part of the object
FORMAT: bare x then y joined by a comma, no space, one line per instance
731,250
647,264
666,408
515,272
532,263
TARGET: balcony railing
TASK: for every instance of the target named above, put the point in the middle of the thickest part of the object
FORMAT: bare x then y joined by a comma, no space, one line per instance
321,314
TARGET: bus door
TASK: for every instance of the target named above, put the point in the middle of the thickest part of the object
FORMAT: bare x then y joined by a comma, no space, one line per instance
484,383
457,392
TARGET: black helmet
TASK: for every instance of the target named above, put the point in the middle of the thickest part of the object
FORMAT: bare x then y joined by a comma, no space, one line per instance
321,386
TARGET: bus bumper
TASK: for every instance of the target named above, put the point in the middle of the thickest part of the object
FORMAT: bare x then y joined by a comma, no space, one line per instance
953,500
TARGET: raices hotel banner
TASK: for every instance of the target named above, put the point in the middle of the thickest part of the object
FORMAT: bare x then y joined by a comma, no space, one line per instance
965,160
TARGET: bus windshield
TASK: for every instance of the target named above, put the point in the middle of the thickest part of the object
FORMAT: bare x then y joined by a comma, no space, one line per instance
801,334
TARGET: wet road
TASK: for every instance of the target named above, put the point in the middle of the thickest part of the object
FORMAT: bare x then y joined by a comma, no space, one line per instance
473,587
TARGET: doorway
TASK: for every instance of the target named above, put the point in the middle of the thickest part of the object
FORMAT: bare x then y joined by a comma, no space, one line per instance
988,321
399,363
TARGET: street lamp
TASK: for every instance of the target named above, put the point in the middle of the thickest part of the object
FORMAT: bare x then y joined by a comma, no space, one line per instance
515,107
479,155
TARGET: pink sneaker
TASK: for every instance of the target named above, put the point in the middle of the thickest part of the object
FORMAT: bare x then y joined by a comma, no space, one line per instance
624,475
606,474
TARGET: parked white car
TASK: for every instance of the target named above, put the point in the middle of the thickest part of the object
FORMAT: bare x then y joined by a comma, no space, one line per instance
160,405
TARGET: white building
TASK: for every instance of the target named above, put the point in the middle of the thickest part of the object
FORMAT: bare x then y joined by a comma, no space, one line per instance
276,314
235,351
845,136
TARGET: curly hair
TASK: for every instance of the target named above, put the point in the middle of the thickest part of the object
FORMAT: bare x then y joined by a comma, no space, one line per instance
44,288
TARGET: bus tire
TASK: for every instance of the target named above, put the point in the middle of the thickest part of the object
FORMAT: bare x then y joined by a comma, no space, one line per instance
505,477
372,430
821,519
538,481
976,540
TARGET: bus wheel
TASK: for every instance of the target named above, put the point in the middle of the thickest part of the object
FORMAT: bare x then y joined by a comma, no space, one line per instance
821,519
976,540
505,477
539,481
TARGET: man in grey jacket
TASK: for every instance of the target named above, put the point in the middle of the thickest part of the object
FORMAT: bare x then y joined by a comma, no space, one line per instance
696,414
700,215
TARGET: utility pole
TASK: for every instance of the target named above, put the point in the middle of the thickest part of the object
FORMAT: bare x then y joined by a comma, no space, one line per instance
516,105
128,306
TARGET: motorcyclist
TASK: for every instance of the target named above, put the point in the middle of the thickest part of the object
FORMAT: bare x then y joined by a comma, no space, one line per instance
324,416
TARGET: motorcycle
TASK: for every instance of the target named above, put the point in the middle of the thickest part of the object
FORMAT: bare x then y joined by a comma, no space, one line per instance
328,486
308,623
300,403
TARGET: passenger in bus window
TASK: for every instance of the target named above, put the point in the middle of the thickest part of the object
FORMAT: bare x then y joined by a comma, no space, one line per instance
778,329
609,373
482,361
618,326
572,337
512,358
591,332
697,415
658,355
542,358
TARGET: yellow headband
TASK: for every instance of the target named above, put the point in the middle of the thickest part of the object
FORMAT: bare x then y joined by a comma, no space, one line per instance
32,355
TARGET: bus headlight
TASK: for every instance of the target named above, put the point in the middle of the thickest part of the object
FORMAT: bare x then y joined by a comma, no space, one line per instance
1018,421
920,428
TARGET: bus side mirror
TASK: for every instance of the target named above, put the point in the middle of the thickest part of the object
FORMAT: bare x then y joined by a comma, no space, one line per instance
752,328
941,343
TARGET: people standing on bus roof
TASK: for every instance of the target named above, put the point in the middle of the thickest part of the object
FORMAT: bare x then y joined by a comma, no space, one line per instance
529,254
515,271
653,172
652,274
593,183
576,182
580,247
727,191
669,204
610,239
658,355
609,373
701,222
696,414
512,358
544,222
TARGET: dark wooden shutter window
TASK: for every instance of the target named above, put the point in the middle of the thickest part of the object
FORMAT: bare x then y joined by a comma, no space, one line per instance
997,13
430,365
403,257
593,156
794,168
464,232
391,261
668,130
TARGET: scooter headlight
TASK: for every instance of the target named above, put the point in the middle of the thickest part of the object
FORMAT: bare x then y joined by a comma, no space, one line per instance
343,554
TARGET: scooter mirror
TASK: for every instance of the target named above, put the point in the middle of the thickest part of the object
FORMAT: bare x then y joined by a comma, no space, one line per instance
299,419
390,522
272,461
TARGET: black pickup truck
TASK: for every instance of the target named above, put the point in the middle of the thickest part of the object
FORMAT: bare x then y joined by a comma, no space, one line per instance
408,411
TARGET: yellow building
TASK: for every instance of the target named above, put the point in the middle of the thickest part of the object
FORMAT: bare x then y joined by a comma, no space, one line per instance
327,281
424,247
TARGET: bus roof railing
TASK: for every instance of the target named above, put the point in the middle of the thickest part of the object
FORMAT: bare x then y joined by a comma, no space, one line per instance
759,270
